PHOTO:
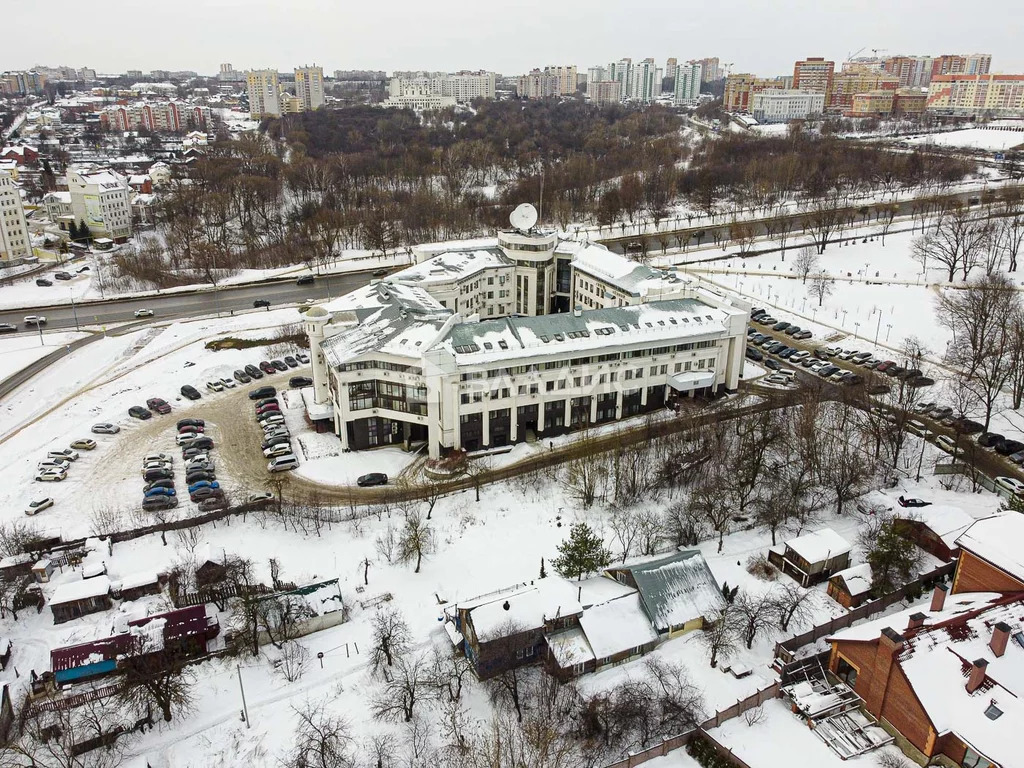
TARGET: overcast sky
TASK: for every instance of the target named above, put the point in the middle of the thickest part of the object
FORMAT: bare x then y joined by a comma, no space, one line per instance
762,36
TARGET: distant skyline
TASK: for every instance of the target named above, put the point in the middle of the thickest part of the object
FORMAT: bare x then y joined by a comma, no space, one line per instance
754,35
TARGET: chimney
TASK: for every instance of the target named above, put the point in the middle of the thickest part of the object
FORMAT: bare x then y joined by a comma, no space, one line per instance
939,598
977,676
1000,634
916,620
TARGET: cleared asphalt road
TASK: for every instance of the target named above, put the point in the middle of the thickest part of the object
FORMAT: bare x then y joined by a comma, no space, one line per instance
188,304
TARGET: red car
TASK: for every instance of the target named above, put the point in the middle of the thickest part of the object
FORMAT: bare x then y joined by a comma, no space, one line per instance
267,367
158,404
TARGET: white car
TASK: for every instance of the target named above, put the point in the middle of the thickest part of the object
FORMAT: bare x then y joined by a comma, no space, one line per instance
946,443
257,498
144,313
38,506
51,475
157,457
283,463
105,429
64,453
35,320
186,437
1011,484
227,383
215,386
796,357
46,464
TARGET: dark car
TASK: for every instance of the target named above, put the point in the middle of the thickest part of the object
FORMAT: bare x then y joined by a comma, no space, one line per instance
920,381
43,282
158,404
792,330
190,452
212,503
279,365
151,503
379,272
205,442
157,474
191,428
757,337
190,392
787,353
305,280
1009,446
967,426
138,412
910,373
291,362
267,367
202,474
266,401
827,371
261,303
905,502
206,493
268,408
62,275
242,377
894,370
752,354
773,364
253,371
262,392
374,478
885,365
160,492
990,439
190,423
298,382
276,440
751,330
158,484
270,417
780,326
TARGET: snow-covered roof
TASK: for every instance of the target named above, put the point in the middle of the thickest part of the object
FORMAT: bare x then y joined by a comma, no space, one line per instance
956,605
320,598
818,546
601,589
617,626
570,647
80,590
677,589
626,275
524,609
453,264
998,540
857,579
140,579
946,522
59,197
659,322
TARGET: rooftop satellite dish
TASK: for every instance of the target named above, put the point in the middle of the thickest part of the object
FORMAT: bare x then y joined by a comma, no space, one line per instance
523,217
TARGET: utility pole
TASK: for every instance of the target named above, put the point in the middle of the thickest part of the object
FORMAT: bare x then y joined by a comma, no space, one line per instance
74,309
245,709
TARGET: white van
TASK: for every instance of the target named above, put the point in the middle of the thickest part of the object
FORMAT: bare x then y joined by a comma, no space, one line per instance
282,463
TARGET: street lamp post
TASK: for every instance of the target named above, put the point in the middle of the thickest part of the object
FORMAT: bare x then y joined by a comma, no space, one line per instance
844,318
878,327
856,331
74,309
888,330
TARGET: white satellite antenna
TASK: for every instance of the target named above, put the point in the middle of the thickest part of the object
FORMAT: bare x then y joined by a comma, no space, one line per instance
523,217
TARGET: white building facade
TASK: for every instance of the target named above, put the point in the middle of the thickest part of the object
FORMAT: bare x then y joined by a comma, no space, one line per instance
461,86
688,79
309,87
781,106
102,199
14,239
264,89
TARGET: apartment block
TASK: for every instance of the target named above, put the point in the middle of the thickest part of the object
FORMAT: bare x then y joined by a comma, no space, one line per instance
264,88
566,75
14,237
461,86
604,92
877,103
101,198
688,76
977,95
847,84
538,85
710,68
814,74
309,87
645,82
741,88
169,116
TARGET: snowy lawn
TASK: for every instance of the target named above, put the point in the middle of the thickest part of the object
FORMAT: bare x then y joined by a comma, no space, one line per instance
993,140
21,350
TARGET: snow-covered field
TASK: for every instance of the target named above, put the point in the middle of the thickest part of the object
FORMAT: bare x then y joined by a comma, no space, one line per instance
993,140
23,349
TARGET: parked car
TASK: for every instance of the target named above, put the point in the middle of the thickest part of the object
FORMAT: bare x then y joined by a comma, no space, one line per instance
37,506
205,442
190,452
267,367
373,478
35,320
84,444
157,457
206,493
259,498
918,428
262,392
305,280
885,365
190,392
1011,484
283,463
153,503
184,438
54,464
270,418
298,382
793,329
271,441
62,275
200,430
946,443
242,377
144,313
227,383
1017,458
266,401
772,365
379,272
212,503
193,487
990,439
751,354
894,370
967,426
215,386
911,503
268,408
941,412
278,450
804,334
302,357
138,412
66,454
198,475
191,422
253,372
799,355
106,429
780,326
51,475
261,303
42,282
158,484
159,492
1009,447
159,405
291,362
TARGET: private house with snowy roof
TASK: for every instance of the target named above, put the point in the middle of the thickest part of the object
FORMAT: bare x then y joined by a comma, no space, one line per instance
466,351
947,682
851,586
812,557
991,555
934,528
79,598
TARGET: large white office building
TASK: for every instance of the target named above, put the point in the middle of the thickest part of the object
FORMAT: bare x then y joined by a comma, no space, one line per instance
101,198
461,86
14,238
466,350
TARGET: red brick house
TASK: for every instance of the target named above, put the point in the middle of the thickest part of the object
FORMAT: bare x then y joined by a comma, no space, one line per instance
22,154
852,586
947,681
934,529
991,555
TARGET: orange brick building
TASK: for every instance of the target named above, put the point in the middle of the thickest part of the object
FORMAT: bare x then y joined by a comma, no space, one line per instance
991,556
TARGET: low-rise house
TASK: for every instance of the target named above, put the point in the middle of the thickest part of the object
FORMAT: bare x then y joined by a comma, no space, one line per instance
677,593
813,557
301,611
852,586
935,529
949,681
991,556
79,598
43,570
136,585
211,566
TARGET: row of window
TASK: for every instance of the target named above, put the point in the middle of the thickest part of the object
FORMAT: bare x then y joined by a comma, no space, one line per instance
380,365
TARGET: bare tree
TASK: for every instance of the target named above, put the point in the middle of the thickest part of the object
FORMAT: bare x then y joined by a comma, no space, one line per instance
322,740
624,527
153,677
822,286
415,540
407,683
754,614
292,660
55,739
956,243
391,638
720,636
806,262
791,604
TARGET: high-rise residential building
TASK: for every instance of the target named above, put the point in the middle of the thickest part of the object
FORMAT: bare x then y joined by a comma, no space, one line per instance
687,83
814,74
228,74
21,83
309,87
604,92
264,89
955,64
849,83
781,106
622,72
740,89
566,78
670,67
14,239
977,95
978,64
912,71
710,68
596,75
100,198
538,85
645,83
461,86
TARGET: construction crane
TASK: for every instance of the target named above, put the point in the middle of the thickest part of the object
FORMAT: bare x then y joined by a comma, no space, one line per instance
849,57
877,51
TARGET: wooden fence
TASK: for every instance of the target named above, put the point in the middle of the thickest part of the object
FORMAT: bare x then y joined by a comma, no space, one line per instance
672,743
785,651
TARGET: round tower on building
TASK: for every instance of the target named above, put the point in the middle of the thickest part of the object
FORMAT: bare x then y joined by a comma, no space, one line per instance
316,320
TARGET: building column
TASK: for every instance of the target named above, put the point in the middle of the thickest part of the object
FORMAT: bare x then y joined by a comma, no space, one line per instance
593,407
540,416
485,436
618,404
643,396
567,415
